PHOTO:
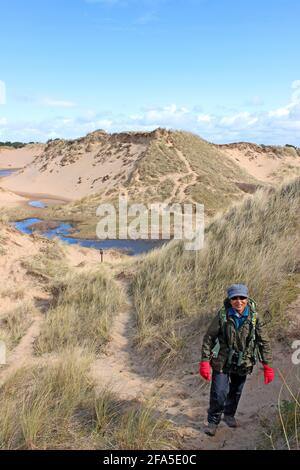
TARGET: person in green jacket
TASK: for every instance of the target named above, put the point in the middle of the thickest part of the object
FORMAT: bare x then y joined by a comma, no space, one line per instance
234,339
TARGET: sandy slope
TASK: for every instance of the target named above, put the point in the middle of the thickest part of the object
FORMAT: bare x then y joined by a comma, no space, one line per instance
265,163
14,276
101,162
10,199
18,286
73,169
18,158
131,162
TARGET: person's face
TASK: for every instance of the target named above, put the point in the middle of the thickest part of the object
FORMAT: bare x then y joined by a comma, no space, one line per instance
239,303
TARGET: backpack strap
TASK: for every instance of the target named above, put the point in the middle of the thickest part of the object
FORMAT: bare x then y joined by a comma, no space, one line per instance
253,317
222,320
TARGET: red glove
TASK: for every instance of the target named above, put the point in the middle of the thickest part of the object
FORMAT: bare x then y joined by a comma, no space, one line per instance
204,370
269,373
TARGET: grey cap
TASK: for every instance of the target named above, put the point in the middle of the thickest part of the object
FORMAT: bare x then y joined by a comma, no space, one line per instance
237,289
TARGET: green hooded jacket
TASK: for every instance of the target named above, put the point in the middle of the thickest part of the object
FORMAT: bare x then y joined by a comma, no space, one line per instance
231,339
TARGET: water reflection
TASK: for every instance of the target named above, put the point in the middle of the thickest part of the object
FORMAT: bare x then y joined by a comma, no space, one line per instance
62,231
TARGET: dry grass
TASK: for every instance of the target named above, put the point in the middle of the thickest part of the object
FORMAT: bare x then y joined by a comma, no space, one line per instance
3,234
55,407
132,425
49,265
159,160
15,322
141,427
152,179
84,306
13,292
283,432
13,214
255,242
45,407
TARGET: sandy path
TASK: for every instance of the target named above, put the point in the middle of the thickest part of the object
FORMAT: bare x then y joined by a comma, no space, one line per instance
120,366
258,404
23,353
183,399
182,396
178,192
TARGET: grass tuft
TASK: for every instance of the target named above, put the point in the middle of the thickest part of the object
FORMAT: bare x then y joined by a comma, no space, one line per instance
82,314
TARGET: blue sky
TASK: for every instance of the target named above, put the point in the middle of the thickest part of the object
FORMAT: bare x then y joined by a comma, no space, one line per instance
228,70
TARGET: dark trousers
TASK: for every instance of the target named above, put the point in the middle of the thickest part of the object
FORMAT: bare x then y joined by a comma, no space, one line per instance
225,393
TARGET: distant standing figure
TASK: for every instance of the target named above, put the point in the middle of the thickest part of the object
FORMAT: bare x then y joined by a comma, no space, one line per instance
231,344
101,254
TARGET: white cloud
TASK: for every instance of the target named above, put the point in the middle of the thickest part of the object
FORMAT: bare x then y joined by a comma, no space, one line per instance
57,103
2,92
166,116
296,84
277,126
240,120
280,112
296,93
204,118
105,124
292,109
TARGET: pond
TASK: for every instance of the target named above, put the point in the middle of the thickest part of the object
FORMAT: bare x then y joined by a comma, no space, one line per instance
7,172
62,231
38,204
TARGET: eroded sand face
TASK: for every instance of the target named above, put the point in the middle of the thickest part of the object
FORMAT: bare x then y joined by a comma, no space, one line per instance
18,158
263,163
71,170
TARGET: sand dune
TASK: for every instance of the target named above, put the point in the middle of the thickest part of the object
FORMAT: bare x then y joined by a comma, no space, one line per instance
73,169
266,163
170,165
18,158
10,199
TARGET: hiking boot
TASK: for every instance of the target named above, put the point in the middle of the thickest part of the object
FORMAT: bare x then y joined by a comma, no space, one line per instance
211,429
230,421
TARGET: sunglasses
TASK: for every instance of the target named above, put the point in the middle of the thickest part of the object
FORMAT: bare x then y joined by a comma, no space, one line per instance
238,297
